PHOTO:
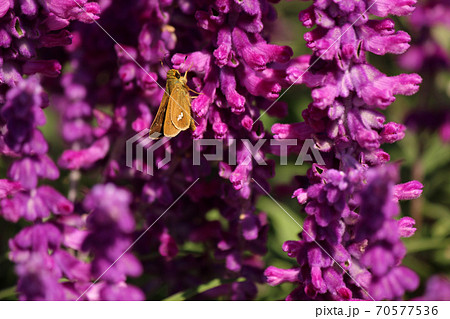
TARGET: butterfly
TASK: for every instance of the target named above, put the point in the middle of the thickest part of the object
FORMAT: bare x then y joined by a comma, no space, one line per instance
174,113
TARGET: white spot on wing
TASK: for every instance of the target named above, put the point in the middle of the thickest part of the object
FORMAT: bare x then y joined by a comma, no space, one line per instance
180,116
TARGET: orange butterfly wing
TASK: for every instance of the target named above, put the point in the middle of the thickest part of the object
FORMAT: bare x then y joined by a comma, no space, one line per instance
180,106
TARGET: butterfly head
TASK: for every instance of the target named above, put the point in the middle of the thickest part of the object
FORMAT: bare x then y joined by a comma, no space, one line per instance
173,74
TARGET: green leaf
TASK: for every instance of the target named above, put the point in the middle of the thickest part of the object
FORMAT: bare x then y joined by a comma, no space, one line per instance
18,29
414,245
422,267
443,256
283,227
180,296
441,228
408,149
436,154
8,293
435,210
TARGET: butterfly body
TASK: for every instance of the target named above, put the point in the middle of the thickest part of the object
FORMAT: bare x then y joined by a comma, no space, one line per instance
174,113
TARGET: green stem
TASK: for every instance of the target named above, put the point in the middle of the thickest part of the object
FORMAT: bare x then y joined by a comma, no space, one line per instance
180,296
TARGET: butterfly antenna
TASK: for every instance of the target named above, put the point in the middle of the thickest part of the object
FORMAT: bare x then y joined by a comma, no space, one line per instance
162,65
185,73
165,62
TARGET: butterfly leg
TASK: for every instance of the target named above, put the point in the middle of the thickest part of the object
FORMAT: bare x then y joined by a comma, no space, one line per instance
195,91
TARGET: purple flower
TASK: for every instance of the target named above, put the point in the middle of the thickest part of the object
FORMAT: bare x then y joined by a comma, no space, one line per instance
75,159
84,246
408,191
36,204
354,192
29,169
23,113
405,227
38,252
168,247
8,188
276,276
110,224
438,288
237,49
81,10
41,262
428,56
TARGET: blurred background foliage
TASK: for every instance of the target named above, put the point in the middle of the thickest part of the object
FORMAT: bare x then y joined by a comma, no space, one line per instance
422,154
